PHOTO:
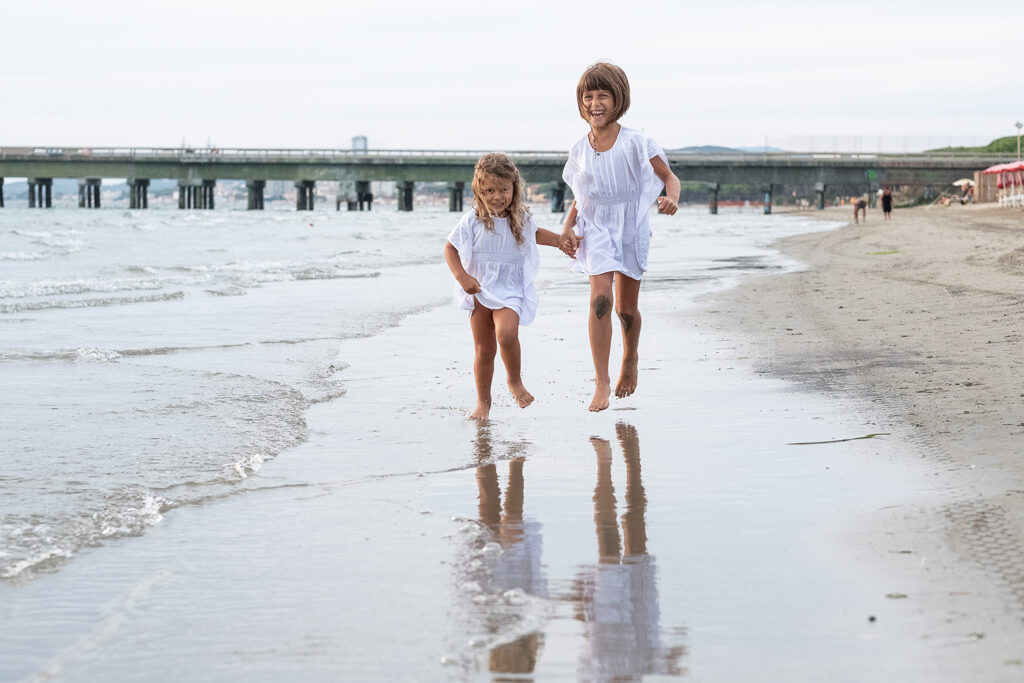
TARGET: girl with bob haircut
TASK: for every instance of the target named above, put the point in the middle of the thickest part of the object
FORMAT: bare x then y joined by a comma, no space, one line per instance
615,173
492,252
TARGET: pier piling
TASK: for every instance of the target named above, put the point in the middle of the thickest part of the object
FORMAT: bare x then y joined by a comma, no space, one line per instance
1,193
363,194
768,188
713,189
89,193
456,191
405,193
196,195
558,197
138,193
305,192
40,192
819,196
254,190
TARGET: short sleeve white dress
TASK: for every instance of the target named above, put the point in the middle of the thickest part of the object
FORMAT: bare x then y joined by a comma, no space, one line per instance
504,269
614,191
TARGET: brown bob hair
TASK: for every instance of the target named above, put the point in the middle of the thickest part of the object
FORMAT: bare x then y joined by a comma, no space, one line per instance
604,76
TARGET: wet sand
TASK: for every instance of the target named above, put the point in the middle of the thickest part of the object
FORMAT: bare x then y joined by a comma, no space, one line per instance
922,315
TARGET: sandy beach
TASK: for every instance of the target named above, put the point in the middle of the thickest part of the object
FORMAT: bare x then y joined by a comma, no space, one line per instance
921,315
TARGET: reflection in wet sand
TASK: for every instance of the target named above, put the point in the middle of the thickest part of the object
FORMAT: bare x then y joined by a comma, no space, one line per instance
617,598
518,567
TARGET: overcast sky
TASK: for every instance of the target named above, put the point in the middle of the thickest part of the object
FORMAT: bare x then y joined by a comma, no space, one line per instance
489,75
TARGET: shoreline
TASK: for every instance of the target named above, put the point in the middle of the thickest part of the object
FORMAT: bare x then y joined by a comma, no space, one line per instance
920,316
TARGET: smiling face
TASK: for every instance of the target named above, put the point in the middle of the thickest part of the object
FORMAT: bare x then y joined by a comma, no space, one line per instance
607,89
497,194
599,106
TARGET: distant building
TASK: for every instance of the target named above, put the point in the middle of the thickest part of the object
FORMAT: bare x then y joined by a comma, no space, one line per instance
359,143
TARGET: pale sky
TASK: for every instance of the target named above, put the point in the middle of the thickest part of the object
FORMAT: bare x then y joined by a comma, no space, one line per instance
502,75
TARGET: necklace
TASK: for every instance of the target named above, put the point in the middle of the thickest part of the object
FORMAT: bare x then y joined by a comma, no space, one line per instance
590,139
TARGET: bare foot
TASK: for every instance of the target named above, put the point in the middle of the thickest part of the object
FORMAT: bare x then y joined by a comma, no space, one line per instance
520,394
483,410
627,379
602,391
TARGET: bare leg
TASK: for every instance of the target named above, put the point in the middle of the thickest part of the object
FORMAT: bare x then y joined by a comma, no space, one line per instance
506,326
600,326
486,345
627,295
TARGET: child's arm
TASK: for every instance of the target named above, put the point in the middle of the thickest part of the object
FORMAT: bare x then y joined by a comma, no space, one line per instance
569,241
670,202
469,284
546,238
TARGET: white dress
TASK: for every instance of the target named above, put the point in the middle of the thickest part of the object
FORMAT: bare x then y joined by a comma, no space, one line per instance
614,191
504,269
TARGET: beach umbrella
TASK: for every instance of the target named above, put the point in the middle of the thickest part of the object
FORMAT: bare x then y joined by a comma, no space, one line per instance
963,182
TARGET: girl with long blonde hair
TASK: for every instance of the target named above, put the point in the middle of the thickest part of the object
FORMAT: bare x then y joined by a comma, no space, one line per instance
492,252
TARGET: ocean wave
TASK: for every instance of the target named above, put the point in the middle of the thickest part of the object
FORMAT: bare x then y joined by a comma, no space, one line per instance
23,256
35,543
19,290
88,303
231,290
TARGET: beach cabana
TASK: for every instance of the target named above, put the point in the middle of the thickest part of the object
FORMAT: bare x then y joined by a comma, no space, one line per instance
1009,182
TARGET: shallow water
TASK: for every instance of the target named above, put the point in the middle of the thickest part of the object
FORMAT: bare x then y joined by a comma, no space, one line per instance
241,436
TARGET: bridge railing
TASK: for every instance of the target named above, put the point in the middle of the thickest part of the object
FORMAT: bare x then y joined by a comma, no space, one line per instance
270,155
244,154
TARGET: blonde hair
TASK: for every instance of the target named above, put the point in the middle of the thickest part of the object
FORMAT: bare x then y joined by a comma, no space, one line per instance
498,165
604,76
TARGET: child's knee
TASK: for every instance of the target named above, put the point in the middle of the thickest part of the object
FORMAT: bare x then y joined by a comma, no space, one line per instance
628,317
486,349
508,337
601,304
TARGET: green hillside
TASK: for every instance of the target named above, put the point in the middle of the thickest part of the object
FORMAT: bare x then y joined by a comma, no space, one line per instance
1007,145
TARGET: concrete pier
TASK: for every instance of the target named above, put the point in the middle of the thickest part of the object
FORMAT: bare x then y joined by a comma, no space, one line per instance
254,190
558,197
305,193
768,188
405,194
363,194
819,196
138,193
456,191
713,189
364,198
40,192
192,195
785,171
89,193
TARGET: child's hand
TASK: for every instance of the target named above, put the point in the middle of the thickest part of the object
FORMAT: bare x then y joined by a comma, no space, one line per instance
667,205
569,242
469,284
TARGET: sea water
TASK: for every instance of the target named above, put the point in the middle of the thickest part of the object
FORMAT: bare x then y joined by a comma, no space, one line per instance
154,359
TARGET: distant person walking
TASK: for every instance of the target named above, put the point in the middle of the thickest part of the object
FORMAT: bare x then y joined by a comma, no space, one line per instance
615,173
887,203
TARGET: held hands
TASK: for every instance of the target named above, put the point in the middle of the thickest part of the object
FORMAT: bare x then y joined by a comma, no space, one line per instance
569,242
469,284
667,205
